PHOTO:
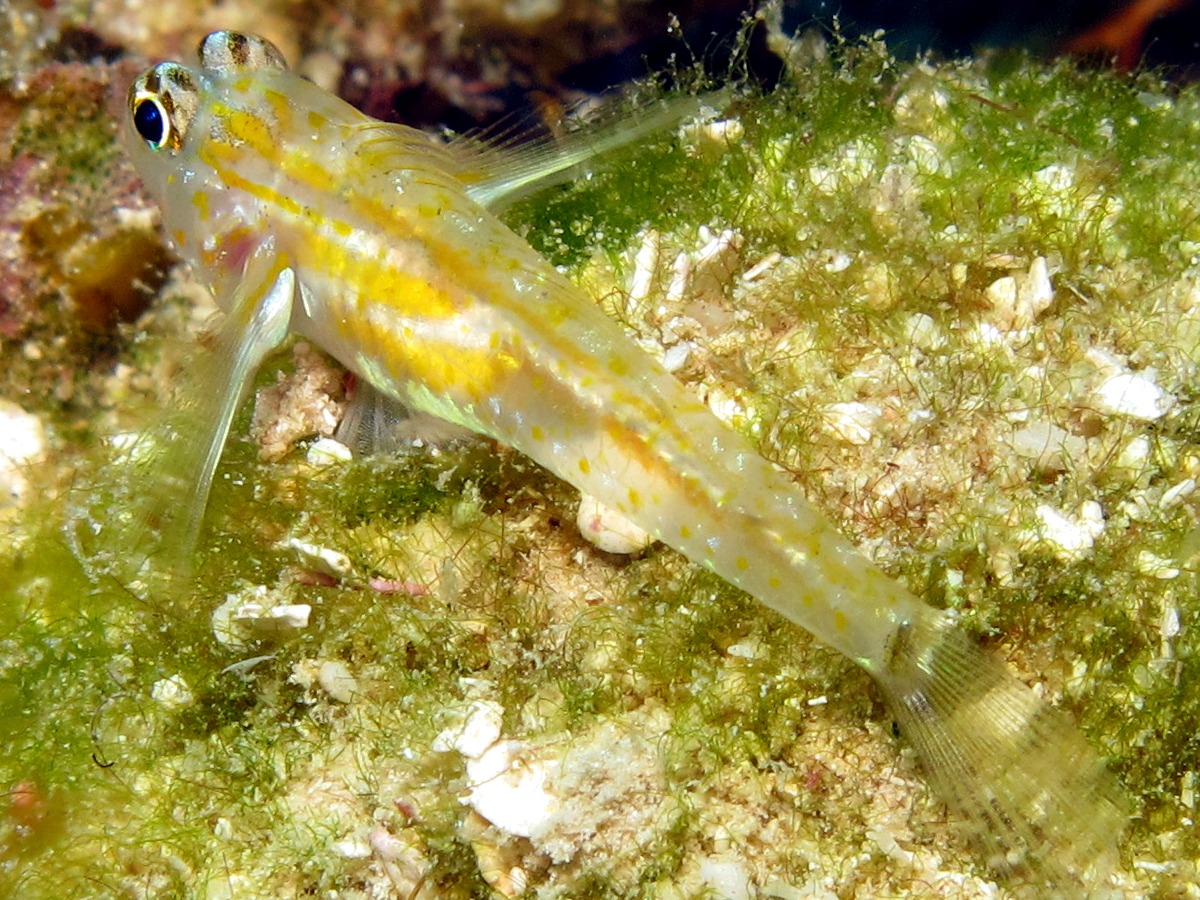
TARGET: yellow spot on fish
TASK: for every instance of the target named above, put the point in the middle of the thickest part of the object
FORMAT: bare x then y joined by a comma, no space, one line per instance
742,563
618,365
685,532
840,622
537,433
584,465
251,130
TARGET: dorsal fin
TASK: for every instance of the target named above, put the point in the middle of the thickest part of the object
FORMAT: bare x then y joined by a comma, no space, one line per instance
517,157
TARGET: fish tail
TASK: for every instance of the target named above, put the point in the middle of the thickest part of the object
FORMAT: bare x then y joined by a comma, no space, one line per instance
1034,794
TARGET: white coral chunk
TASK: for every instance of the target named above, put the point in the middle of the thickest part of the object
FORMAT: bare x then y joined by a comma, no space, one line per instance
508,791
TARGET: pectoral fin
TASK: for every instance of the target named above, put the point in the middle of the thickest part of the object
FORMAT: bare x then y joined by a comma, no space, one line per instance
171,464
257,324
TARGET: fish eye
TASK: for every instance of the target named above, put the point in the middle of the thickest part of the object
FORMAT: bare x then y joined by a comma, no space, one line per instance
151,121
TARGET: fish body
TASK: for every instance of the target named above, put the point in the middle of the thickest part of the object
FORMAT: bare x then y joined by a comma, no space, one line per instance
379,245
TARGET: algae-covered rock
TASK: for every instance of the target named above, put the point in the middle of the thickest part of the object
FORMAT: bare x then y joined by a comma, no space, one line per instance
959,302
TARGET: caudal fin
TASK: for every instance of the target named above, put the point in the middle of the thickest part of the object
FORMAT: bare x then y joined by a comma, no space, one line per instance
1035,795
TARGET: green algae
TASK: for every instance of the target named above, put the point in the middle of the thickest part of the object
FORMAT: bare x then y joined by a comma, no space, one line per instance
143,756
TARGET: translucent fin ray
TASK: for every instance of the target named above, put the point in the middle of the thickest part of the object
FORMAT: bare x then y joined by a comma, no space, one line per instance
257,324
171,464
503,167
376,424
1034,794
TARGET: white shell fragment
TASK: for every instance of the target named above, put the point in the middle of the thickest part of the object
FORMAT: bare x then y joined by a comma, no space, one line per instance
608,529
1048,447
676,356
331,676
326,451
923,332
725,876
507,789
254,614
1169,624
852,423
351,848
1134,395
322,559
1070,537
706,272
22,443
477,730
1017,300
172,693
714,137
645,267
1155,566
336,680
1173,496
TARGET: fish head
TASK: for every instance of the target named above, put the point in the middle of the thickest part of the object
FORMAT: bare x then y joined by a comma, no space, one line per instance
203,138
